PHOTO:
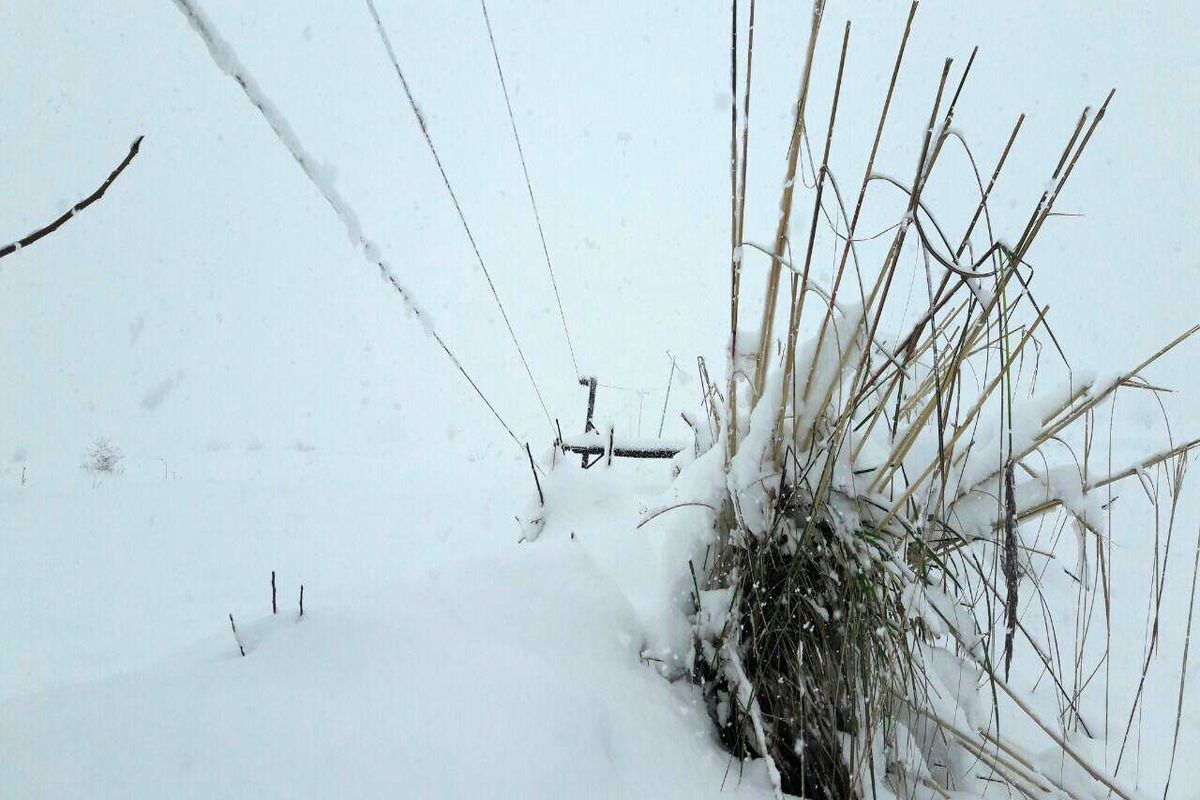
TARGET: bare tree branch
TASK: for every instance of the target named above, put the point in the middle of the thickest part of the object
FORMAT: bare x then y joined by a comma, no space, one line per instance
75,209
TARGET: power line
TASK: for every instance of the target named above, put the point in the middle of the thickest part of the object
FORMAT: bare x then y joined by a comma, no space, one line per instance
474,385
529,185
227,61
387,44
632,389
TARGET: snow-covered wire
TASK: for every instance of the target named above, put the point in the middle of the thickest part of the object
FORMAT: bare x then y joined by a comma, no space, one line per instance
391,52
529,186
228,62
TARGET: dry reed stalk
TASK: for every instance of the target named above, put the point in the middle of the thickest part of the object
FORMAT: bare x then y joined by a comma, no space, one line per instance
852,228
954,367
1089,404
883,398
1183,669
735,266
739,217
785,206
800,285
918,482
941,297
879,292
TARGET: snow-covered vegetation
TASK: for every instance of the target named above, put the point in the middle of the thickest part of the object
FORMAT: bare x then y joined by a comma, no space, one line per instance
878,524
103,457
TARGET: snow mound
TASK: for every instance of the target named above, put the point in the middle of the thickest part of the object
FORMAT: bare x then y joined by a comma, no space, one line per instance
519,675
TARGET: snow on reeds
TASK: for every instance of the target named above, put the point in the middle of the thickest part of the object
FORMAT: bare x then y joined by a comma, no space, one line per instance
857,609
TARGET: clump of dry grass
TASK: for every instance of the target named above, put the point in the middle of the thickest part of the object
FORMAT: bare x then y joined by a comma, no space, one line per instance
865,524
103,457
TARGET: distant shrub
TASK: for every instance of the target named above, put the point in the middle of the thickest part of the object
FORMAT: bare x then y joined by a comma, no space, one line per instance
103,457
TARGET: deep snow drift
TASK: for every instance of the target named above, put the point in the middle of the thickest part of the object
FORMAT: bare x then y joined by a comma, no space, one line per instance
520,673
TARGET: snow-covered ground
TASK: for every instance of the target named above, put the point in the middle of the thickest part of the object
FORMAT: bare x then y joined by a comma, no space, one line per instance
278,411
417,668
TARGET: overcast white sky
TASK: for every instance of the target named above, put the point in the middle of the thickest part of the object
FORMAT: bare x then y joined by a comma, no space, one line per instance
214,275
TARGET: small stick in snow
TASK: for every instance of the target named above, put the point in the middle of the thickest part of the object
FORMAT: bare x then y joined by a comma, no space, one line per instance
533,469
667,397
557,445
274,606
237,638
301,601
